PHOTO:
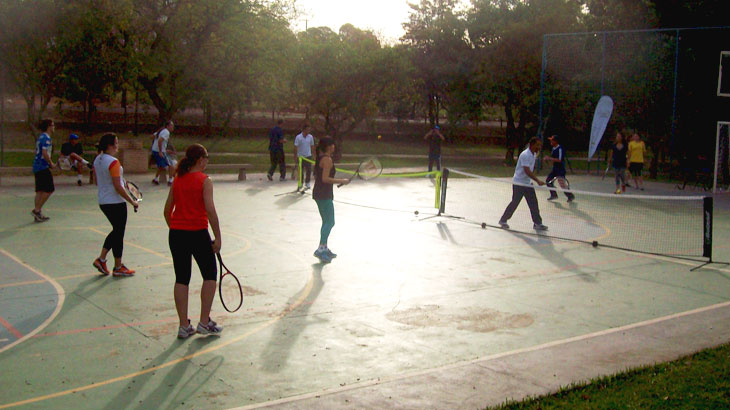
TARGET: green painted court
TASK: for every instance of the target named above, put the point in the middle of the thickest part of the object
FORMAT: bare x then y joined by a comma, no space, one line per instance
417,311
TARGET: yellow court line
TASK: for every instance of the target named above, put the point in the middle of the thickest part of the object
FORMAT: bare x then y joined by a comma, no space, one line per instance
59,303
288,309
28,282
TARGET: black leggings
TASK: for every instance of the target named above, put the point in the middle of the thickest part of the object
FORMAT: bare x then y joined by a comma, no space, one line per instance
117,216
183,245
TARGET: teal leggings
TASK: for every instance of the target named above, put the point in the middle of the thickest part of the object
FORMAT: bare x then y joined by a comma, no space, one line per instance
327,212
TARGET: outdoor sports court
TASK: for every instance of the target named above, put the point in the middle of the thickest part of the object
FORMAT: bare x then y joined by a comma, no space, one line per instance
417,311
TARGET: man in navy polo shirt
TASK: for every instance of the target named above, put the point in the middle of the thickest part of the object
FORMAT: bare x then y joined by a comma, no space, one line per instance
557,157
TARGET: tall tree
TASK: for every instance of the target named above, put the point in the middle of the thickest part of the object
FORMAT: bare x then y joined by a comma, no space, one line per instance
436,34
340,76
508,35
33,50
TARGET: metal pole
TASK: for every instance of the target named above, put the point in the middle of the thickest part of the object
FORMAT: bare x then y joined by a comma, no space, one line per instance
674,100
2,117
603,62
540,129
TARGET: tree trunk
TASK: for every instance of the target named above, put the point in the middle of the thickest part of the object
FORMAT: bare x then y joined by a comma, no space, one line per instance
124,105
511,133
208,111
136,111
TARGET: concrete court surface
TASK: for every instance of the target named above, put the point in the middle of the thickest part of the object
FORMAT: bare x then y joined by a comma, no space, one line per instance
415,312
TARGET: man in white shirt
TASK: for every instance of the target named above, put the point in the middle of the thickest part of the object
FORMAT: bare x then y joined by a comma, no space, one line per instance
522,186
159,153
303,144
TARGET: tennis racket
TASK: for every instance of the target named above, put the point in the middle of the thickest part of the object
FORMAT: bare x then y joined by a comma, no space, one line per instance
562,181
368,169
133,191
229,287
605,173
64,163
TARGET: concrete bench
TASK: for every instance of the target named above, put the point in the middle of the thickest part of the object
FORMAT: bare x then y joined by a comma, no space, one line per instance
28,171
240,167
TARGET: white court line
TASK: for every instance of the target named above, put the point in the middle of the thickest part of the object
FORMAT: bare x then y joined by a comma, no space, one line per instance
384,380
59,303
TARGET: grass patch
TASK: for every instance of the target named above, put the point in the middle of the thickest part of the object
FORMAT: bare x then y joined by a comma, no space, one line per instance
698,381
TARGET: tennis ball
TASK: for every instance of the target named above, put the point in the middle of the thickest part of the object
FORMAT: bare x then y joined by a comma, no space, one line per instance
484,225
415,212
595,244
380,136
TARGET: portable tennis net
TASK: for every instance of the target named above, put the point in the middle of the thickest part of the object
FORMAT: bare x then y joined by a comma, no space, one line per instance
679,226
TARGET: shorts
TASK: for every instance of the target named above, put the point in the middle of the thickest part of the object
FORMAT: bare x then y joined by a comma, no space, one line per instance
160,160
635,168
44,181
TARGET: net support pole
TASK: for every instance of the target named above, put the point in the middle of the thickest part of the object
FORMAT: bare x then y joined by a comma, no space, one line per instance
707,230
707,237
444,183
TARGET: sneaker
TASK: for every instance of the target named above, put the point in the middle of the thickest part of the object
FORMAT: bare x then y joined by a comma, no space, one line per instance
169,183
539,227
642,188
282,178
185,332
78,182
269,177
503,225
39,217
100,266
155,182
122,271
552,198
307,185
329,253
211,328
322,255
571,198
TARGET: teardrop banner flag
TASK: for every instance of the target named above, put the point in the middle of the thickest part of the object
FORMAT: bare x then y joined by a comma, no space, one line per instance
604,108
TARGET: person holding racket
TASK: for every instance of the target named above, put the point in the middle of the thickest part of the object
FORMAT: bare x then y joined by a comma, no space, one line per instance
324,179
557,157
159,150
188,211
113,200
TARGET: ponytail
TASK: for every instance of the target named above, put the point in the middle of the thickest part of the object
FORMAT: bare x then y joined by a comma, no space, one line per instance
192,154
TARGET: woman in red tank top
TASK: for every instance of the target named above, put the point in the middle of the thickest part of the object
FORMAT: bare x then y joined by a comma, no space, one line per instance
188,210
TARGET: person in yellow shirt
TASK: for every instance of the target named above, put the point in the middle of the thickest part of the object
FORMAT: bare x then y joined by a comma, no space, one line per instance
637,150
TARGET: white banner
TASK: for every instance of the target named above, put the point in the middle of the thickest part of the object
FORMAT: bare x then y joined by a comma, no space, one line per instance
604,108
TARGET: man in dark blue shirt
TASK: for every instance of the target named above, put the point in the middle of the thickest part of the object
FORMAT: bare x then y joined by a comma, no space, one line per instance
557,157
276,152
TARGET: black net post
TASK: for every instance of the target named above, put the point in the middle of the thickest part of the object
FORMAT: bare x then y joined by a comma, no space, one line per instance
707,242
444,183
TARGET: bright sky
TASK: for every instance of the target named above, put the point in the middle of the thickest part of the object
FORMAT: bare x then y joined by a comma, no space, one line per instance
384,17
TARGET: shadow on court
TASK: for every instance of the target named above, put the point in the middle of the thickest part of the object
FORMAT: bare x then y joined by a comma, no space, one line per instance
177,385
287,331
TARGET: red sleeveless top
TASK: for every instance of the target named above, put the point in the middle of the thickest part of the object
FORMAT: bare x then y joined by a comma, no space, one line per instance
188,213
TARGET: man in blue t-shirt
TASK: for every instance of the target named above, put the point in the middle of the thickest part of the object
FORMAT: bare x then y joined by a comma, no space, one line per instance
557,157
42,165
276,152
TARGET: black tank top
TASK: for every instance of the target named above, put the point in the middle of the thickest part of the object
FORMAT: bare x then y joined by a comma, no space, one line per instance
322,190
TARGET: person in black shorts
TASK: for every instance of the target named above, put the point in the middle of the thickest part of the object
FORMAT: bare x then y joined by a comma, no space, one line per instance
557,157
42,166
